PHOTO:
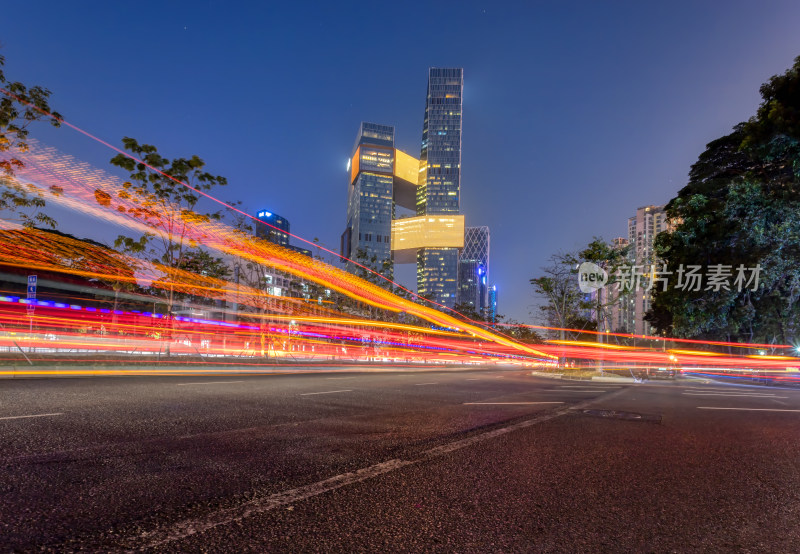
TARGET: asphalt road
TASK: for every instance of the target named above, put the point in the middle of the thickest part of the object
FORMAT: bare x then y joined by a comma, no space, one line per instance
467,461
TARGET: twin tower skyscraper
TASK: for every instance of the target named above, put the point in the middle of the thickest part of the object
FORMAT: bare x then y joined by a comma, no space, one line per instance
403,209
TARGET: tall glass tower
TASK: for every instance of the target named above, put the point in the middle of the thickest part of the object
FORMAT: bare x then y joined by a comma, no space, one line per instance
439,185
367,237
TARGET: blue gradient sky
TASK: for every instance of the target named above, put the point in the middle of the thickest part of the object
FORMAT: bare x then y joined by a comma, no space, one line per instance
575,113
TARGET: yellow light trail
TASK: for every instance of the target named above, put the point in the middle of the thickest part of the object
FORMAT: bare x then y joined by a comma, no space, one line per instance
88,190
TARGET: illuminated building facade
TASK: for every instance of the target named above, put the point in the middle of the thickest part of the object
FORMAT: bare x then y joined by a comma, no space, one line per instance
380,178
410,234
370,199
439,184
473,269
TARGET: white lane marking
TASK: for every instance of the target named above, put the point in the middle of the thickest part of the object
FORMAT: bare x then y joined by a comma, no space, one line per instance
420,384
746,409
324,392
226,516
35,415
340,377
505,403
210,383
746,395
473,379
575,390
709,388
730,393
732,388
592,385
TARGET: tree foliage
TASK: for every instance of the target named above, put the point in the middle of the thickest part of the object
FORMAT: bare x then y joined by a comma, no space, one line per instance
563,305
521,332
611,258
741,207
381,267
20,106
155,196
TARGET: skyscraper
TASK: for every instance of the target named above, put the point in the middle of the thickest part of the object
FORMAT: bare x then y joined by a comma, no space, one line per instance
473,269
439,185
370,199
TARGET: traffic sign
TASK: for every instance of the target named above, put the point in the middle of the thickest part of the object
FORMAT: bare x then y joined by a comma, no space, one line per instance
32,284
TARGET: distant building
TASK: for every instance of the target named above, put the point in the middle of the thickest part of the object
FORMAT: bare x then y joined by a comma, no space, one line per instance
493,304
473,269
643,227
274,228
617,315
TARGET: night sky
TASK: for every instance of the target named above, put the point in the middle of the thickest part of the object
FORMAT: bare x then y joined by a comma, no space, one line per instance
575,113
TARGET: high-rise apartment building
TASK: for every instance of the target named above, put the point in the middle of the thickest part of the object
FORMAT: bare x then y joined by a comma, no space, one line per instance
473,269
439,185
642,231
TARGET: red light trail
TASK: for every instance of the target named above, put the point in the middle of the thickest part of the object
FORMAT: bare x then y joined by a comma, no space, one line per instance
267,326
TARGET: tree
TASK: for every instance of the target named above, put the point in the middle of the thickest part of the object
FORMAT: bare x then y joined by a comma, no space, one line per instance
740,209
564,305
19,107
381,267
522,333
611,258
155,196
467,312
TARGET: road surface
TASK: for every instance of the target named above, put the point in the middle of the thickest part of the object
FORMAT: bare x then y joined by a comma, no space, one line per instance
468,461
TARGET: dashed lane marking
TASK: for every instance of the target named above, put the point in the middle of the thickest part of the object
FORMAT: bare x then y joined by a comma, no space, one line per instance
725,394
29,416
210,383
324,392
506,403
746,409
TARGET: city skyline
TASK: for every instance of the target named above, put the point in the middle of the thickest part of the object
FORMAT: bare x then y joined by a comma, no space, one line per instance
635,92
554,306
